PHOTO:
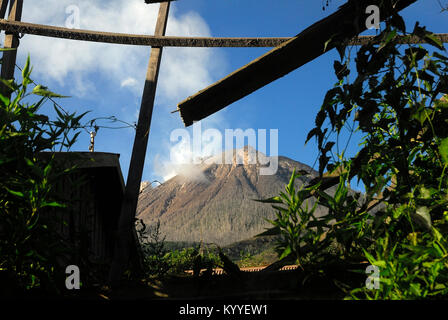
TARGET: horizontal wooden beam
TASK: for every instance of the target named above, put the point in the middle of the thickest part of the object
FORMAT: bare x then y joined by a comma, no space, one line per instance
344,24
159,41
132,39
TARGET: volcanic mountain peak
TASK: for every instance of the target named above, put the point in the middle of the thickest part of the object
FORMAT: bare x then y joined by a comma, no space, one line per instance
246,155
214,202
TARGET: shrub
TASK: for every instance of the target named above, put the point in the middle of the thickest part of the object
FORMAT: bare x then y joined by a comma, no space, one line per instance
29,250
397,102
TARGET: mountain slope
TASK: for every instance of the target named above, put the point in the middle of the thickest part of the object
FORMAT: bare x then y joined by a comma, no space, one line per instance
215,204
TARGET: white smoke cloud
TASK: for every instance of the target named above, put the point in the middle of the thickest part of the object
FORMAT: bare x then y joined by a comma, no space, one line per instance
184,159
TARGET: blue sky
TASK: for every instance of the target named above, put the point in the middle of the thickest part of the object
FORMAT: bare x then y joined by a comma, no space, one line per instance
108,79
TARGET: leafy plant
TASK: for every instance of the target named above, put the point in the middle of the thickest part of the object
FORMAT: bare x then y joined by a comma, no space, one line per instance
160,262
155,253
29,249
398,102
295,220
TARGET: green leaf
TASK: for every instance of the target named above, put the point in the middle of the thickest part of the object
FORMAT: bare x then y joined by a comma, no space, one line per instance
16,193
436,233
443,149
30,253
341,191
415,289
388,38
26,68
441,104
431,38
290,187
47,169
26,72
380,263
10,84
369,257
285,253
327,43
4,100
53,204
386,281
270,200
312,133
438,250
43,91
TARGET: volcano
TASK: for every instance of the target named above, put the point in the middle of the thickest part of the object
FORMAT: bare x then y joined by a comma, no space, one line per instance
214,203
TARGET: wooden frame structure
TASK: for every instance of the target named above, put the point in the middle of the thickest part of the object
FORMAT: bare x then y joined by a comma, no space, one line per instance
311,43
11,41
288,55
127,235
17,27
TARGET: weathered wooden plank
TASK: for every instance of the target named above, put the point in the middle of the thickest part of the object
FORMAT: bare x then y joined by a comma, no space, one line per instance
11,42
362,40
127,237
132,39
346,23
3,6
161,41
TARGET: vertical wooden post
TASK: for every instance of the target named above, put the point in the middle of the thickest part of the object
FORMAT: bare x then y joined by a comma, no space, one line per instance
3,5
127,236
11,42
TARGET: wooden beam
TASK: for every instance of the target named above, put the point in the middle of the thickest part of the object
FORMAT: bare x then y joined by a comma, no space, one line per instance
127,237
3,6
162,41
136,40
346,23
11,42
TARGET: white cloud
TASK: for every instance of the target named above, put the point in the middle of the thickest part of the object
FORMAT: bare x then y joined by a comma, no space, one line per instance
82,67
129,82
71,63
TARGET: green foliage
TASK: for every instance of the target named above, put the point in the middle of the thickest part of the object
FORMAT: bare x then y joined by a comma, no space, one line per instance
29,249
245,259
295,220
160,262
192,259
410,269
398,102
154,250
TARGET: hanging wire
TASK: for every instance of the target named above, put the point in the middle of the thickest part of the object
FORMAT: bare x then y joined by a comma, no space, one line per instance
93,123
